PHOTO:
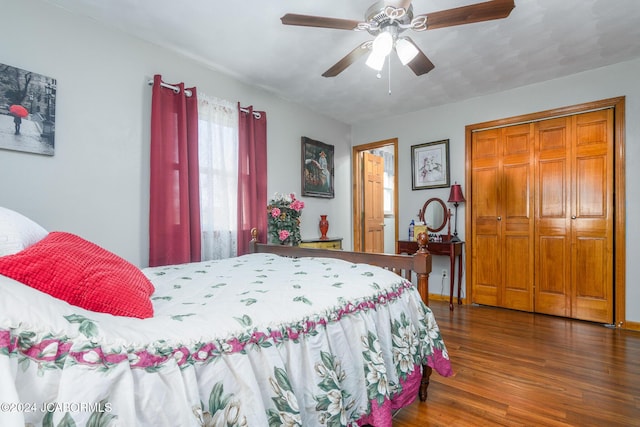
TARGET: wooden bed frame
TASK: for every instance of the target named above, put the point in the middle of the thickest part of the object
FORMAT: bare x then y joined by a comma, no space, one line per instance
405,265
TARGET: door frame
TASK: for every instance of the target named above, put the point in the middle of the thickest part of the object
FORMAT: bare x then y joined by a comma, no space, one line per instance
358,187
619,190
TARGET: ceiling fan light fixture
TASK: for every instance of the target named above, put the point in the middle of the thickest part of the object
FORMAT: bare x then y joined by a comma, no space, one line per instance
383,43
406,50
381,47
376,61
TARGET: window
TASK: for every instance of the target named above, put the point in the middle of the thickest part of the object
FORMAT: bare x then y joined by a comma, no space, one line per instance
218,163
389,174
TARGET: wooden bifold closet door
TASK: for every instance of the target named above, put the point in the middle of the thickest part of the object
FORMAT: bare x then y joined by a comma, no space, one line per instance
542,216
502,239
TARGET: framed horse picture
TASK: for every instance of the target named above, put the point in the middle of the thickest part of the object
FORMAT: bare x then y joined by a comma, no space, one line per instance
317,168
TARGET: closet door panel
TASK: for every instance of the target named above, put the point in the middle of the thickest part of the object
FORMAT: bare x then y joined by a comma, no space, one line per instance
552,230
517,251
516,206
553,275
486,270
486,201
591,180
486,237
592,289
517,217
517,273
592,217
553,243
485,146
553,186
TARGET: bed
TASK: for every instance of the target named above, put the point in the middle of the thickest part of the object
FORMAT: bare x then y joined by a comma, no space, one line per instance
282,336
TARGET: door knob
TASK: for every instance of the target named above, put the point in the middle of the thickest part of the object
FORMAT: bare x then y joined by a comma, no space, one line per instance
499,218
573,217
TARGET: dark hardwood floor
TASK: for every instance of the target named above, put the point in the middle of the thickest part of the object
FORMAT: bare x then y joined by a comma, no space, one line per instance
522,369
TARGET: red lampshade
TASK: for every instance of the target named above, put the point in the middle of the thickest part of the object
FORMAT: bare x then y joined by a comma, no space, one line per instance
456,194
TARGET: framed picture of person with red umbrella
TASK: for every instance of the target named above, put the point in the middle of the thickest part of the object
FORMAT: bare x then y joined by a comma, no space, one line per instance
27,111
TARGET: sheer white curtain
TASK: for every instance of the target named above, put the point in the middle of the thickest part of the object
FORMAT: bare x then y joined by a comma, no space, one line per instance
218,157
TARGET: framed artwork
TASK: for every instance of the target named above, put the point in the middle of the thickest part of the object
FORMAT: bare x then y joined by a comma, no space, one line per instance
430,165
27,111
317,169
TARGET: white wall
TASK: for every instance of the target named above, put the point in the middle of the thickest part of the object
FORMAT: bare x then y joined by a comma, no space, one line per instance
449,121
96,185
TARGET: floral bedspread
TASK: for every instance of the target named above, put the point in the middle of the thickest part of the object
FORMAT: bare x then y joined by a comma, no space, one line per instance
258,340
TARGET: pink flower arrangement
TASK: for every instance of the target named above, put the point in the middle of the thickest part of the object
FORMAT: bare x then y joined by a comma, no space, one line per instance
284,219
297,205
283,235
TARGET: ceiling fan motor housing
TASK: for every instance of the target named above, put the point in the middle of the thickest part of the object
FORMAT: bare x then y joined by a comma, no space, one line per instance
380,17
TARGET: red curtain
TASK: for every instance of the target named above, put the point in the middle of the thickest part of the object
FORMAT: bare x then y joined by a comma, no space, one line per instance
252,176
174,214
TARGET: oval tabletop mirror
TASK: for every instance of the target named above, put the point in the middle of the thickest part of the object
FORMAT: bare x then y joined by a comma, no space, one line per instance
434,214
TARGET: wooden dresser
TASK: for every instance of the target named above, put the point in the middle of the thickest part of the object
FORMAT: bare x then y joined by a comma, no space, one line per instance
328,243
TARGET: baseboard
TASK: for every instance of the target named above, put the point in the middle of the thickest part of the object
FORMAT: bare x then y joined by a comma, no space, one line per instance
632,326
438,297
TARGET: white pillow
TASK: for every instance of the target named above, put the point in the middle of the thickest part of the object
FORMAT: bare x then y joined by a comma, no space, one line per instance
17,232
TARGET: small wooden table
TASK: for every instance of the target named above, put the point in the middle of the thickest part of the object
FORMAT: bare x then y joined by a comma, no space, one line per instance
451,249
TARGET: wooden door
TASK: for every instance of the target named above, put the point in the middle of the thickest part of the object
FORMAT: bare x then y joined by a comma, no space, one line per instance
486,278
373,203
574,216
578,224
592,217
553,224
517,217
502,238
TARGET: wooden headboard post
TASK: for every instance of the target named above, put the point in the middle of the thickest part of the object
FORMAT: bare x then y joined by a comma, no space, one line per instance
422,259
418,263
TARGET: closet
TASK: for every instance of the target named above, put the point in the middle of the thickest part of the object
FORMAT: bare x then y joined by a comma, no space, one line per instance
542,215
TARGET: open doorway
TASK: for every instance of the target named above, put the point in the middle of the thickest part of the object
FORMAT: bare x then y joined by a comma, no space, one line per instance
388,151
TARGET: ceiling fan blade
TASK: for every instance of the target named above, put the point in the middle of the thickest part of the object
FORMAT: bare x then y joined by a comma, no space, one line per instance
319,21
351,57
420,64
487,11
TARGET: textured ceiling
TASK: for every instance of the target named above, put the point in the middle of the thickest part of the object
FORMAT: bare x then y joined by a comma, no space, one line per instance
540,40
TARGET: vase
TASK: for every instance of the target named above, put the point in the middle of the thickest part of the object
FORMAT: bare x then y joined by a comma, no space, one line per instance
324,227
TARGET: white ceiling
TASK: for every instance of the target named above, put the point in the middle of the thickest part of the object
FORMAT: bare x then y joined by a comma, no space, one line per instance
540,40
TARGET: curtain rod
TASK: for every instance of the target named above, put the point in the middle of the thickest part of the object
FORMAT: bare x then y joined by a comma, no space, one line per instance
256,114
176,89
187,92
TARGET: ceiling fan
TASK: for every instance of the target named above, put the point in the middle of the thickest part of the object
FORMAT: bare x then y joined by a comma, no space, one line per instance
387,19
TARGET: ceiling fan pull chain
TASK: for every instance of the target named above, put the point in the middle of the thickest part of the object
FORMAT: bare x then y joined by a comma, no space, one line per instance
389,74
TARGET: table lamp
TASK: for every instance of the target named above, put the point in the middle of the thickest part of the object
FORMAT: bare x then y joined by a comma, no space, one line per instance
456,198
